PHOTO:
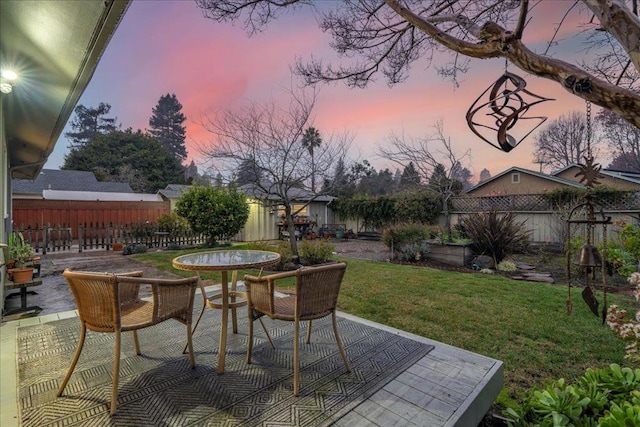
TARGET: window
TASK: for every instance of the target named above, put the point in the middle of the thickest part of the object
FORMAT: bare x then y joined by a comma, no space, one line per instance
294,208
515,178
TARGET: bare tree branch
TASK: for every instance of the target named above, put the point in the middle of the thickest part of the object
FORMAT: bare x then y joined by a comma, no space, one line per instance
268,140
388,36
428,155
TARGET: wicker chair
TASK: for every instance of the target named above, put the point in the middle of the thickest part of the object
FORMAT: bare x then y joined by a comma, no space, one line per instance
316,296
110,303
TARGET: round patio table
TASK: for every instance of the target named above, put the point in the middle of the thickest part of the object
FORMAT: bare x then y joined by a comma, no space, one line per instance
224,261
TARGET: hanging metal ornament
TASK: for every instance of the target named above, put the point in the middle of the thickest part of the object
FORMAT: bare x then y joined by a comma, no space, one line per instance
503,110
590,216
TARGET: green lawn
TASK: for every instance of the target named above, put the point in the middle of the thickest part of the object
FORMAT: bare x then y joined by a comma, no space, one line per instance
523,324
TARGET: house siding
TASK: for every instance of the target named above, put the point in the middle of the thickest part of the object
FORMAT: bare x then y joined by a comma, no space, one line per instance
528,184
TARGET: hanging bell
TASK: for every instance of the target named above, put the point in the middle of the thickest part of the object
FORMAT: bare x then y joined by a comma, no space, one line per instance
589,256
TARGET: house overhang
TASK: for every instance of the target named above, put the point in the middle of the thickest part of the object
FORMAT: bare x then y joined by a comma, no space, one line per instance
54,46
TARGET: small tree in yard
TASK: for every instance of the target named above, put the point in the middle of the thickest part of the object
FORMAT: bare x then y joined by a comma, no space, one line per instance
217,212
264,142
496,235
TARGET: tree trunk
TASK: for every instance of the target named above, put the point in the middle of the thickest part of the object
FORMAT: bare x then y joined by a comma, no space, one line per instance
291,228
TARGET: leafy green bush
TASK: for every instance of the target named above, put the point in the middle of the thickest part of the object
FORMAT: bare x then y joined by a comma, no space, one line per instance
630,238
397,236
173,224
134,248
315,251
603,397
496,235
620,260
415,251
283,248
409,240
218,212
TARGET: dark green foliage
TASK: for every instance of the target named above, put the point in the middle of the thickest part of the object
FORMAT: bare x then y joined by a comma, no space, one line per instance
422,207
248,172
410,178
602,397
126,156
497,235
397,236
166,126
173,224
88,123
374,211
314,252
217,212
571,196
134,248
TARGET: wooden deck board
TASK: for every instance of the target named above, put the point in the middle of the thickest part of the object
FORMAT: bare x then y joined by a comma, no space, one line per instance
448,387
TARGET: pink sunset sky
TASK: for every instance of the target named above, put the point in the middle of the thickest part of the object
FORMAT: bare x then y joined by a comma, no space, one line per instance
169,47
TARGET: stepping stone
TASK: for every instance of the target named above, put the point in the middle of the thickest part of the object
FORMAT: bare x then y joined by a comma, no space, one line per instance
523,266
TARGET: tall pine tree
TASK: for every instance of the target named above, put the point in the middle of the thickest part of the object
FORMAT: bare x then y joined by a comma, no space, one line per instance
88,123
166,125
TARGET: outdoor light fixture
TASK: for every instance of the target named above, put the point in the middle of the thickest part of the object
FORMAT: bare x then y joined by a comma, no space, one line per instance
6,78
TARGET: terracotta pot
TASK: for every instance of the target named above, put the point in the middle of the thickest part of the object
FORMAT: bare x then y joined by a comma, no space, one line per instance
117,246
22,275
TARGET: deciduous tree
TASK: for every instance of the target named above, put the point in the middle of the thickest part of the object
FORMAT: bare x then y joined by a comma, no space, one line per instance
268,137
623,141
434,159
564,141
389,36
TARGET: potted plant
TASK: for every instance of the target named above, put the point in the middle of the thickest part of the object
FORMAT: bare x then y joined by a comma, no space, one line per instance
21,253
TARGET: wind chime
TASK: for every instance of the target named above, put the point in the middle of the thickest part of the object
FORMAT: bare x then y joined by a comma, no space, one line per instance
589,262
495,115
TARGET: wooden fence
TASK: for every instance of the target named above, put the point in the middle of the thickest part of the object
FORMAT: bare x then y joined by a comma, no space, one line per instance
546,220
37,214
101,236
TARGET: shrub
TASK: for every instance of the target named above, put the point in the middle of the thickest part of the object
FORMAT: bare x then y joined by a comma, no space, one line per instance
496,235
217,212
397,236
174,224
134,248
602,397
506,265
283,248
415,251
408,240
315,251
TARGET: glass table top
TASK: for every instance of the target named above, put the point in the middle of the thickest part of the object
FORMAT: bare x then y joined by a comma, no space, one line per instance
226,260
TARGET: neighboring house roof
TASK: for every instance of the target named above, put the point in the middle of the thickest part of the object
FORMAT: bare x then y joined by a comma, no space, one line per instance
67,180
294,194
630,177
174,191
525,171
100,196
